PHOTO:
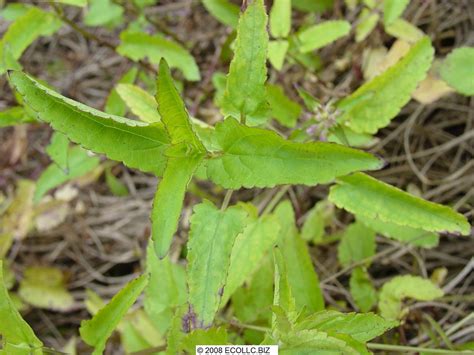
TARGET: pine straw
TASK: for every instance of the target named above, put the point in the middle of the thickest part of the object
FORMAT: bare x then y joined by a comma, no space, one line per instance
429,148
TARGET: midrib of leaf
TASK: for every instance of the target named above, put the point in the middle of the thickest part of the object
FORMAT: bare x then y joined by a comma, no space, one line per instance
167,91
368,191
252,51
292,145
374,104
244,91
165,211
89,115
273,156
208,262
238,141
310,342
101,123
120,303
172,277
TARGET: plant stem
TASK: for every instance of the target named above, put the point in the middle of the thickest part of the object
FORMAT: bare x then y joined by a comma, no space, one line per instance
156,23
459,324
249,326
149,351
86,34
457,298
243,118
226,201
275,199
410,349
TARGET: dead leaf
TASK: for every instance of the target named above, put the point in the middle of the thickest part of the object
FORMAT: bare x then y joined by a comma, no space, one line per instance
372,59
18,217
19,144
396,52
45,287
52,215
432,88
66,193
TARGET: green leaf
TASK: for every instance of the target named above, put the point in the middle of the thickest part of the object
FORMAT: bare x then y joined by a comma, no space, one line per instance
168,201
79,3
185,156
367,22
24,31
12,11
9,279
249,249
137,332
321,35
363,195
362,290
316,221
400,287
456,70
140,102
283,109
211,336
166,290
375,103
280,18
145,107
219,81
224,11
362,327
413,236
115,186
114,104
308,342
138,45
176,335
245,91
141,4
311,103
173,112
97,330
283,298
103,13
140,146
45,287
93,302
58,150
257,157
343,135
312,5
371,4
79,164
253,301
277,52
13,328
17,219
14,116
357,244
310,61
303,280
393,9
404,30
211,237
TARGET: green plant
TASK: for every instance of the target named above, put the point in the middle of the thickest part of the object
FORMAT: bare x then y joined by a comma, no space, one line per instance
229,246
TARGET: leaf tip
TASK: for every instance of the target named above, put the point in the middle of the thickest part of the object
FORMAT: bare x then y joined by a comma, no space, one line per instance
163,67
161,250
382,163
